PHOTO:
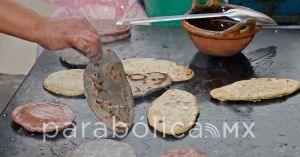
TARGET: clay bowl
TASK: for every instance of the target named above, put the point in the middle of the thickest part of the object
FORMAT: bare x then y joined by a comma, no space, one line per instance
220,37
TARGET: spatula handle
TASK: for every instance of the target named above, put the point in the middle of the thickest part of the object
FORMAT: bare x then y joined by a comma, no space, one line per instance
146,21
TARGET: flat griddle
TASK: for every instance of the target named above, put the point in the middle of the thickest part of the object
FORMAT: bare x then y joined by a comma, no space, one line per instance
277,126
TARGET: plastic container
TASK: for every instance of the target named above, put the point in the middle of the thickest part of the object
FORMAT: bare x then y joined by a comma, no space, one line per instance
283,11
167,8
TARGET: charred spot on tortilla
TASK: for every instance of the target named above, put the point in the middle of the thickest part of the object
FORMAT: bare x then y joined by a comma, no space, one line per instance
96,64
144,84
177,72
137,77
115,75
98,86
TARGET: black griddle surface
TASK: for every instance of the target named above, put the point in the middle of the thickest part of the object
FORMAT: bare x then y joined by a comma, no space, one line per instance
277,122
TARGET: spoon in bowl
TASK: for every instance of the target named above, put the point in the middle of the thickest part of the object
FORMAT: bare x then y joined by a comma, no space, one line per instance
238,14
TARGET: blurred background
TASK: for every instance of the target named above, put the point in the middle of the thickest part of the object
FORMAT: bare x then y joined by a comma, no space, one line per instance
17,56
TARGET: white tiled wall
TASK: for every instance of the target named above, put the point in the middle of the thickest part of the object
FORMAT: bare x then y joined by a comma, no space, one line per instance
18,56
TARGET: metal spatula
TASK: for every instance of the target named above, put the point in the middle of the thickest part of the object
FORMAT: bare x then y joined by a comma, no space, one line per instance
237,14
108,92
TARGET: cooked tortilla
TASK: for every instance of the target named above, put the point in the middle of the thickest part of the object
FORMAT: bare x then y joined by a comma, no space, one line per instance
73,59
174,112
148,65
65,83
141,84
256,89
144,84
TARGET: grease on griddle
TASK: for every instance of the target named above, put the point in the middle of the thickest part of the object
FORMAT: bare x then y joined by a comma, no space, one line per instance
214,72
262,59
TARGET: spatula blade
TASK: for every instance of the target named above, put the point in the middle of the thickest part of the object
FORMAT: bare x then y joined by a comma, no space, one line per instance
108,92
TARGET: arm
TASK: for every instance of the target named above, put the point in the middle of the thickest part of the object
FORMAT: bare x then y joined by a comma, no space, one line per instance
23,23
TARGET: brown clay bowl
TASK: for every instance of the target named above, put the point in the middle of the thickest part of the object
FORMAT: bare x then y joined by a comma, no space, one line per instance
229,40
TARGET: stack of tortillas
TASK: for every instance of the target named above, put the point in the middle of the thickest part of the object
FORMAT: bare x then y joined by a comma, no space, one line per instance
109,31
102,148
256,89
174,112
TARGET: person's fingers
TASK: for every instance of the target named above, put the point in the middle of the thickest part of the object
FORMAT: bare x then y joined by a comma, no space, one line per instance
90,36
96,57
81,45
96,46
73,32
91,48
91,28
95,51
93,41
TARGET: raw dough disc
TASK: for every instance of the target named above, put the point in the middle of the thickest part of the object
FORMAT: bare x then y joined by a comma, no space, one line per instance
34,116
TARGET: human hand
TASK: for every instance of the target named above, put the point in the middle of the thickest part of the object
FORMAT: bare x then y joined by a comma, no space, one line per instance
71,32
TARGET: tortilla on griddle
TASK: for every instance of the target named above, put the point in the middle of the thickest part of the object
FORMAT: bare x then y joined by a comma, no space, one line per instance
144,84
65,82
147,65
34,116
109,31
73,58
141,84
256,89
102,148
174,112
183,152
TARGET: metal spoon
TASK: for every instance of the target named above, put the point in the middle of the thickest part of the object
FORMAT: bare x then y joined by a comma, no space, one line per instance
238,14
